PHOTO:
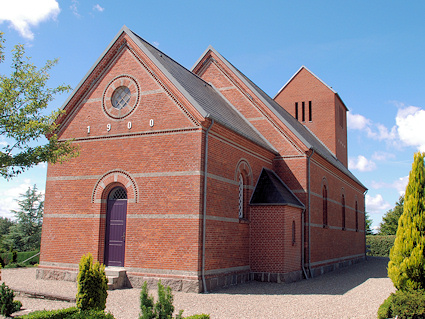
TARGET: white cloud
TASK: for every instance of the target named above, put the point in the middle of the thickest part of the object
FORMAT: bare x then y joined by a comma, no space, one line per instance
357,121
97,7
375,131
24,14
376,204
9,198
382,156
410,122
361,163
399,184
408,129
74,8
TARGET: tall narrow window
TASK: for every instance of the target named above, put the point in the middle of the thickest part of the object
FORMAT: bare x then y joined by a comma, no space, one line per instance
341,117
343,212
325,206
241,197
310,117
296,110
303,111
357,218
293,233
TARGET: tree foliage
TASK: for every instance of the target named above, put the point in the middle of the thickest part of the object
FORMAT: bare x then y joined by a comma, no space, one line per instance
24,95
369,222
25,235
390,220
407,260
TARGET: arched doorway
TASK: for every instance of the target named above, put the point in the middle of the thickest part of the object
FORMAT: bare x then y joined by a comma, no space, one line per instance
115,227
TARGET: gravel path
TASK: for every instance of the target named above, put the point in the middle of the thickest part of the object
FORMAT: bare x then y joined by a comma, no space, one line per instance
353,292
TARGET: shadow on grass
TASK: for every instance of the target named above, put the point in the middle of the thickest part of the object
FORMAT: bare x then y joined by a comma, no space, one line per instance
337,282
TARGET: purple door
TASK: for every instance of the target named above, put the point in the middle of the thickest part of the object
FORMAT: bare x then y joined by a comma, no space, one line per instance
115,228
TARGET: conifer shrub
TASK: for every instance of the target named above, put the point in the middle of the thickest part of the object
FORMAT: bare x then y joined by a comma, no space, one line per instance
146,303
14,256
404,304
92,285
162,309
407,259
7,304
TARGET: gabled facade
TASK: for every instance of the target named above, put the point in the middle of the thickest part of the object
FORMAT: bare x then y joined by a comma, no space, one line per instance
317,106
195,177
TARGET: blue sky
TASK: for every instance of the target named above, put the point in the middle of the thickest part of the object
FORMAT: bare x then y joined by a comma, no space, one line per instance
370,52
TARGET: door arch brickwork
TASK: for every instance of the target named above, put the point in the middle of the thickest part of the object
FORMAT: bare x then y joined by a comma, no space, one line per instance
110,180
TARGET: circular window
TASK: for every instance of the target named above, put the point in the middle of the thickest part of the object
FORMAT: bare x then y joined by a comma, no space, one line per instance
121,97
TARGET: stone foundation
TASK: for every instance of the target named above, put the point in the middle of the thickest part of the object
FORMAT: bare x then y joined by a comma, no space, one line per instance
175,284
56,274
226,280
318,271
213,282
277,277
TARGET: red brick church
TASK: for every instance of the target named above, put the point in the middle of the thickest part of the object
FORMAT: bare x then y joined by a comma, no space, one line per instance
198,177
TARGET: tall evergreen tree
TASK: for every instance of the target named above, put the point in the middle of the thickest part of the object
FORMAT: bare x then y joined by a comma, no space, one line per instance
369,222
390,220
26,234
407,260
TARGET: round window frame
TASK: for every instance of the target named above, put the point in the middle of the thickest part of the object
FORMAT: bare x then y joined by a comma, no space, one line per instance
125,81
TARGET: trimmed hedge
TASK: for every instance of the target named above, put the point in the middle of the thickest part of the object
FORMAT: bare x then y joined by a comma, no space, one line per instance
380,245
51,314
68,313
22,255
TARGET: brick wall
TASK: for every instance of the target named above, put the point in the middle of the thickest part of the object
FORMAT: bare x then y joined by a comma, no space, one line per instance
326,106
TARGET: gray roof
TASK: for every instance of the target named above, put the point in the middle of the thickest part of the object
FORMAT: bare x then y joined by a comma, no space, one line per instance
207,100
271,190
304,134
203,96
210,103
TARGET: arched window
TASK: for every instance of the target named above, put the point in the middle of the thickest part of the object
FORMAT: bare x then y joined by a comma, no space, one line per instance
357,217
343,211
325,206
241,197
118,193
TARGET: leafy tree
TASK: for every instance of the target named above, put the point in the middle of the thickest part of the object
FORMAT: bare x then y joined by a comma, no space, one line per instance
390,220
407,259
23,96
369,222
26,234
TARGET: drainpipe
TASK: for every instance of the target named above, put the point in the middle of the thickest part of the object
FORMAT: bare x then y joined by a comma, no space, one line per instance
309,213
302,244
364,210
204,209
